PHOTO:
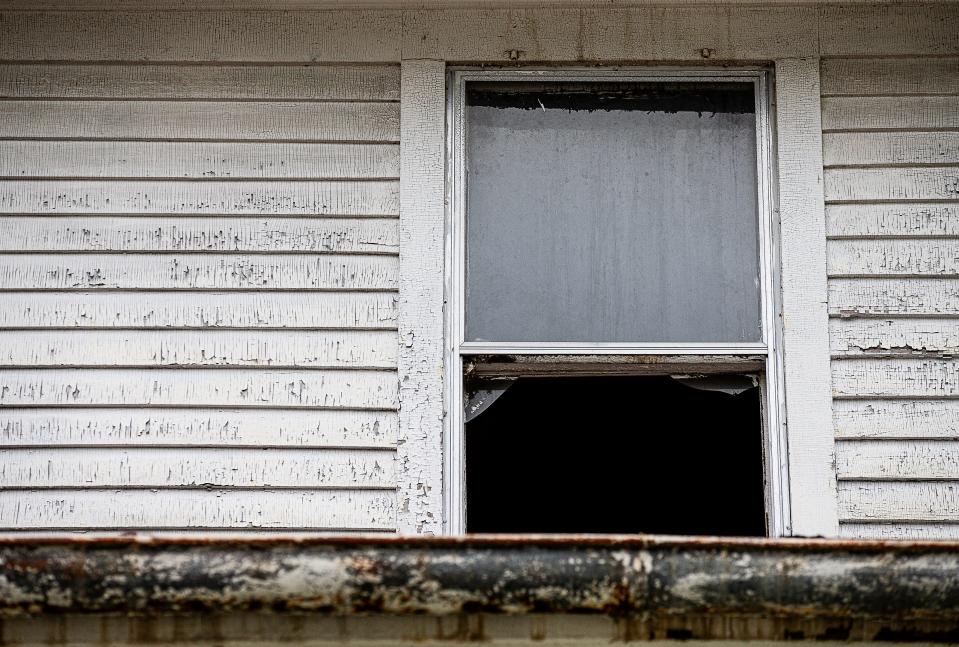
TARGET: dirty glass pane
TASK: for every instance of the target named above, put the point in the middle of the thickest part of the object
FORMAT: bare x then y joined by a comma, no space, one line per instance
619,212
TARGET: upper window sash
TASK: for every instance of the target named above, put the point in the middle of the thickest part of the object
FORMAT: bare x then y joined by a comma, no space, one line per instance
458,136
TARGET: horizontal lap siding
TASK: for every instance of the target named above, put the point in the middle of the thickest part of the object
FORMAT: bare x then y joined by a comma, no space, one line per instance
199,273
891,154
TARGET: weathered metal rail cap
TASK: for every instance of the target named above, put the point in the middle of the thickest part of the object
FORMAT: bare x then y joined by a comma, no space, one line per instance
656,586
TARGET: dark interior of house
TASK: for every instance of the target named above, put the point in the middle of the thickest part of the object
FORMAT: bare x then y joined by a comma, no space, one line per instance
617,455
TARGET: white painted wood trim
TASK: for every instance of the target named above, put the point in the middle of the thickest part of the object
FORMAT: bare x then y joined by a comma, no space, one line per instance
804,292
420,308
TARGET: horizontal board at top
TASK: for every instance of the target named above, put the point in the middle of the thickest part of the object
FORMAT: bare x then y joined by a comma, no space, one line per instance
202,388
197,271
197,427
894,296
282,348
144,509
253,197
915,531
260,120
147,467
852,149
892,257
254,309
897,460
220,36
149,234
197,160
896,419
896,377
896,336
890,76
859,184
886,29
892,220
139,81
890,113
899,501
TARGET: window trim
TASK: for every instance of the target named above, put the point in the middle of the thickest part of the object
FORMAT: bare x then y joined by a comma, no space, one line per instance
772,384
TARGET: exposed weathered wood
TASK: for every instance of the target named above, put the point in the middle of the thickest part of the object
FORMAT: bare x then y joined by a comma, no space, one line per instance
885,113
198,509
896,336
200,120
893,257
904,501
175,467
805,342
918,531
909,297
279,348
890,76
904,29
253,309
598,365
197,160
936,183
897,460
892,220
193,428
164,234
341,198
297,36
896,419
205,271
929,378
852,149
207,388
259,82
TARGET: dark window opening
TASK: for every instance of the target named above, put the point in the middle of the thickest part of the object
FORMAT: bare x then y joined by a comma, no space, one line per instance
617,455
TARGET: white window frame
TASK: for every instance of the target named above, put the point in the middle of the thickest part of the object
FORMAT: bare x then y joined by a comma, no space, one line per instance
458,349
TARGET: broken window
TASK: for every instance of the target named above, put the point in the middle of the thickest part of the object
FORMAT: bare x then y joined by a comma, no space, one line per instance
613,324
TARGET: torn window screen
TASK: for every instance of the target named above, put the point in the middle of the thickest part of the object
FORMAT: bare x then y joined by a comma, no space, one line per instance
620,455
612,212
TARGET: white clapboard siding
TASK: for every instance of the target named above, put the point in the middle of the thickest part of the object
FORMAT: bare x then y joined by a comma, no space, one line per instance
893,257
921,148
220,310
175,467
891,419
190,271
196,160
914,531
897,460
131,427
199,273
896,377
248,197
251,82
258,36
858,336
894,297
148,509
199,120
207,388
936,183
907,220
924,501
890,76
884,113
166,234
273,348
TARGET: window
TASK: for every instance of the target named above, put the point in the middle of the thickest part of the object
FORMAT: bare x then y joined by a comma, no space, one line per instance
612,304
